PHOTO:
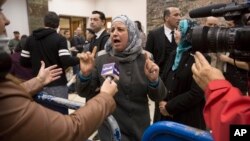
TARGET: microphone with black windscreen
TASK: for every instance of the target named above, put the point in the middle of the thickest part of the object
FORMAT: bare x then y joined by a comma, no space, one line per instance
110,70
206,11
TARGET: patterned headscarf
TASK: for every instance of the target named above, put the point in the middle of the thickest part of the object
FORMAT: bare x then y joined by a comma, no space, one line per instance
134,46
184,45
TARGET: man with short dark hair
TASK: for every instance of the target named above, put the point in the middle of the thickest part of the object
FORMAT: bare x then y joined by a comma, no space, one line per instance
47,45
97,23
14,42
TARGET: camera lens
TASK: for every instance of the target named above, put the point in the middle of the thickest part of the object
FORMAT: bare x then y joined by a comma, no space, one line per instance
212,39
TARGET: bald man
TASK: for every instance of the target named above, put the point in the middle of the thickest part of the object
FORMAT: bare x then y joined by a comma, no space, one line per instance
212,21
160,43
215,62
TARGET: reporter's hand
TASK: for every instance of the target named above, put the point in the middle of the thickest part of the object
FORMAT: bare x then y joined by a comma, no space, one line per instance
151,69
87,61
109,87
49,74
203,72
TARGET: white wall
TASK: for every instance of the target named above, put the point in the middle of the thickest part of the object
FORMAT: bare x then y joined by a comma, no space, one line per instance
16,12
81,8
134,9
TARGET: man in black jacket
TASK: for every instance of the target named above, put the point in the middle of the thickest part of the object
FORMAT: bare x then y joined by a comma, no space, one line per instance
97,23
161,44
47,45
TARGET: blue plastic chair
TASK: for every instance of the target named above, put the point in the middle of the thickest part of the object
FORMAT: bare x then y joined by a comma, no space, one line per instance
172,131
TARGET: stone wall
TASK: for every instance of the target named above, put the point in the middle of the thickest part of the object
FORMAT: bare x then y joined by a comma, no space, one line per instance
36,11
155,9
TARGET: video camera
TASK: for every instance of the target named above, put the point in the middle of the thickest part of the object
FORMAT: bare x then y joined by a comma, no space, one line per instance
235,40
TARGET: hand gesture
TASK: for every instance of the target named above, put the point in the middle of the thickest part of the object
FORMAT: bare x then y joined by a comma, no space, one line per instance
109,87
203,72
49,74
151,69
162,107
87,62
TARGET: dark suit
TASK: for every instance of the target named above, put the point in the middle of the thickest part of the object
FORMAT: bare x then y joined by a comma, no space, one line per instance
159,45
99,42
185,99
78,42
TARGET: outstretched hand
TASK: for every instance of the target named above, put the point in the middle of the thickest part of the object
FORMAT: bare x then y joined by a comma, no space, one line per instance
49,74
203,72
87,61
151,69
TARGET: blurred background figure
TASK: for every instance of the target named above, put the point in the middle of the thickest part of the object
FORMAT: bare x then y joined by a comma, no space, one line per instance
14,42
66,34
212,21
17,69
142,34
235,71
90,37
69,71
78,40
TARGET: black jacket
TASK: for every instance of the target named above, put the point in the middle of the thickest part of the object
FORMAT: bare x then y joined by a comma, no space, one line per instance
185,99
99,42
47,45
78,42
159,45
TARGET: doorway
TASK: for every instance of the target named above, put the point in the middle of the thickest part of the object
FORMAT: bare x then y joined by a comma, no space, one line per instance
71,23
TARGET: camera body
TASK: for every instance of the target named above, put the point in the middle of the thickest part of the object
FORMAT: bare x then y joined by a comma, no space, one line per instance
235,40
220,39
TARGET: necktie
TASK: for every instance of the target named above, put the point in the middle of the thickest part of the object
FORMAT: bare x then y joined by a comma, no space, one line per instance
173,40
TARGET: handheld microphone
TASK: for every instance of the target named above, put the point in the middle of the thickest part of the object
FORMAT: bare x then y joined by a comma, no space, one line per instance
206,11
110,70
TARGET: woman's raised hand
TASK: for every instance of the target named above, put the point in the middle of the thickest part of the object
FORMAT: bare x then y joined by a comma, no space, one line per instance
87,62
151,69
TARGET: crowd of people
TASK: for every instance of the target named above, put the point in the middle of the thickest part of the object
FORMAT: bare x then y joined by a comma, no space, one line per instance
187,86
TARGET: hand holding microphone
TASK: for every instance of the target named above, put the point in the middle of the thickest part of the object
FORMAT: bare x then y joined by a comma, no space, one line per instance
109,87
151,69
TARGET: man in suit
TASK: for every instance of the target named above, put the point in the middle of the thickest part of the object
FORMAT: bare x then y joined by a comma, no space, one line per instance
97,23
161,43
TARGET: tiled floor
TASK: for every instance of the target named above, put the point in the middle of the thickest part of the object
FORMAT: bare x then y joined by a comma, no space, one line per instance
77,98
